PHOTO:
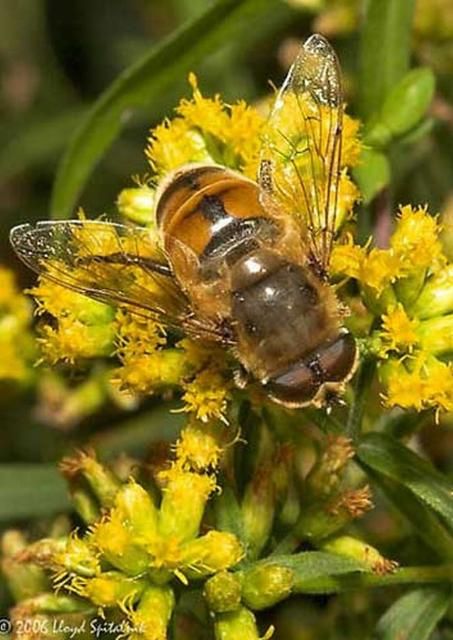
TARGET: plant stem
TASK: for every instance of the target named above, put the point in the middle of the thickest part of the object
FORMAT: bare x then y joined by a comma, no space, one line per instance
406,575
384,51
364,377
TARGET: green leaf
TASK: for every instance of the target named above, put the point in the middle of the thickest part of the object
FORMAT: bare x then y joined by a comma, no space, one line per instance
425,522
30,490
144,82
372,174
415,615
407,103
316,571
390,458
384,51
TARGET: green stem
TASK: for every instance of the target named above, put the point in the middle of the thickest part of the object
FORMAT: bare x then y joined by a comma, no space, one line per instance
357,408
407,575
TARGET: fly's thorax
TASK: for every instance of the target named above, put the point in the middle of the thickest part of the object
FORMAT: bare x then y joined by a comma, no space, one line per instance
208,216
281,311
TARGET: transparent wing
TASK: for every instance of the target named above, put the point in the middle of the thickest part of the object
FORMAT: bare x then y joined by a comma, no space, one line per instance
112,263
301,150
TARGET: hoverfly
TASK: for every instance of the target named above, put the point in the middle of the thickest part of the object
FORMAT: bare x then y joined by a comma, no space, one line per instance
241,264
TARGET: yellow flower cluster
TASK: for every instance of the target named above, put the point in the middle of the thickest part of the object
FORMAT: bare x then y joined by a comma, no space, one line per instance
129,557
206,130
410,287
84,330
16,342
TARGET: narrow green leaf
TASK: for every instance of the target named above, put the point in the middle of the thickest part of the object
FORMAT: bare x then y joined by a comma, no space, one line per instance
390,458
143,82
30,490
426,524
384,50
414,616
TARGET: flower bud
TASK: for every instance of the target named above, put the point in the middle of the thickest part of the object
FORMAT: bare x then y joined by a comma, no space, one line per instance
258,509
183,502
215,551
266,584
151,617
238,624
328,470
319,521
70,555
110,589
136,510
112,537
103,482
436,298
84,503
223,592
436,335
137,204
24,580
359,550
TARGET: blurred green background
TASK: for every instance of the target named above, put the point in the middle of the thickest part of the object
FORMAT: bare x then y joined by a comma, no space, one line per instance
57,58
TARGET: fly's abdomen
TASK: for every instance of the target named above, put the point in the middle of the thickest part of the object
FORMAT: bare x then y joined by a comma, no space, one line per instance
281,313
326,369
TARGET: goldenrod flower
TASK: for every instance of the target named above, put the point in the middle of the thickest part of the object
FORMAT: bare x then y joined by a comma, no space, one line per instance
416,239
206,396
418,383
199,446
398,330
16,342
185,494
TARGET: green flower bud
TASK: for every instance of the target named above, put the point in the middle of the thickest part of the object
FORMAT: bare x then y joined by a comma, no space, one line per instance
408,289
436,298
215,551
137,204
266,584
137,511
321,520
114,540
327,472
359,550
436,334
152,615
110,589
71,555
258,509
103,482
183,502
24,580
237,625
223,592
84,503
